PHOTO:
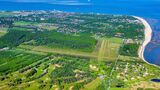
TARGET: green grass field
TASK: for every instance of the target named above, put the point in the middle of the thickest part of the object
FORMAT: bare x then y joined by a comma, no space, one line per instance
107,49
1,34
22,23
92,85
40,25
3,31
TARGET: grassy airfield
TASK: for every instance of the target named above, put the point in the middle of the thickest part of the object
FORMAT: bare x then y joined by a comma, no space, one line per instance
105,49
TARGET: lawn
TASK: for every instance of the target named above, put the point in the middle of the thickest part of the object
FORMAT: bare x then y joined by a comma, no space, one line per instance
57,50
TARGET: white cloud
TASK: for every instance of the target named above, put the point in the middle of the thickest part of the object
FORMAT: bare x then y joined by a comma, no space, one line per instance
59,2
70,2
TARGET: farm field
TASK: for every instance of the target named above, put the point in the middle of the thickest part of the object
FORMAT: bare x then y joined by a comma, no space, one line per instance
53,50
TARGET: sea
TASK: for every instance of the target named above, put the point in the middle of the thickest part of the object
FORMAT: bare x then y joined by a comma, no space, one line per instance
148,9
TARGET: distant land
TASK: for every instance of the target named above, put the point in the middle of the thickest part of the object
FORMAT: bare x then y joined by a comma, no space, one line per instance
143,8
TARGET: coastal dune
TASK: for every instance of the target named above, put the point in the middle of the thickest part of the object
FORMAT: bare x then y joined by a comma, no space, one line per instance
148,36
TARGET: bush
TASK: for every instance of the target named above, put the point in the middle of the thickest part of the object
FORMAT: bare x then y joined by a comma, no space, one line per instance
129,50
31,73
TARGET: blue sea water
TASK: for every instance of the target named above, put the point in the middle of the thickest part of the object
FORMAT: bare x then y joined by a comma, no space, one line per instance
148,9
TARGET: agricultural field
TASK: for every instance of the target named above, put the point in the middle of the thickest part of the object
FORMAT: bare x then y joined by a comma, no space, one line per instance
72,51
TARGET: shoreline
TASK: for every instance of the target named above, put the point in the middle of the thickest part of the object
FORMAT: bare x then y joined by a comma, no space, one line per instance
148,37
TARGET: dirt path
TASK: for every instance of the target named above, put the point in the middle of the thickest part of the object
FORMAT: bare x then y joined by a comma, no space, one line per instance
111,73
103,48
101,51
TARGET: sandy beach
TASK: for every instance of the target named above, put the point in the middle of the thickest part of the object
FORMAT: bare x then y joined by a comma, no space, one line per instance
148,36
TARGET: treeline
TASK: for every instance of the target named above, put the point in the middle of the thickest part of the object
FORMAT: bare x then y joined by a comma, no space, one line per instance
17,36
60,40
7,21
129,50
14,38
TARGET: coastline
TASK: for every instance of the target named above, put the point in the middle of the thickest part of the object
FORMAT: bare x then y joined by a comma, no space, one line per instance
148,37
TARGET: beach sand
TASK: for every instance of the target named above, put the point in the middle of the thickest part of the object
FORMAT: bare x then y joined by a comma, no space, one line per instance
148,37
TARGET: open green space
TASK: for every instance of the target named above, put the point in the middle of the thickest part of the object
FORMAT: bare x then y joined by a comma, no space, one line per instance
92,85
45,26
3,31
22,23
107,49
